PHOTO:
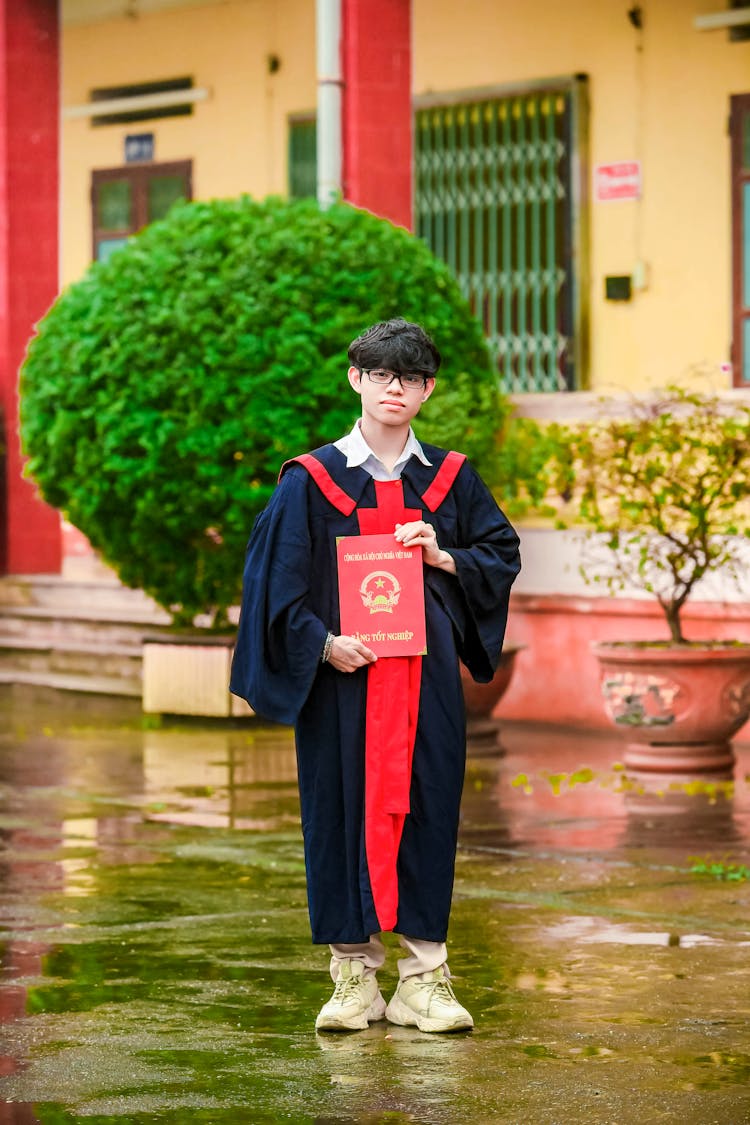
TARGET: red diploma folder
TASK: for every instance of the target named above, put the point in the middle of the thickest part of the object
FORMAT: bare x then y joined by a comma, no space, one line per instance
381,594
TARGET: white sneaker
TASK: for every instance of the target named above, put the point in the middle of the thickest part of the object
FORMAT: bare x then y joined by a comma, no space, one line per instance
427,1001
355,1002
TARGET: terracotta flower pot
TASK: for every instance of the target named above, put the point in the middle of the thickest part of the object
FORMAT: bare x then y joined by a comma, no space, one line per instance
481,699
679,704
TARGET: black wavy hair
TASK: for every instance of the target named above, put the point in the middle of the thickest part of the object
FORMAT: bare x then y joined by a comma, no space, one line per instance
397,345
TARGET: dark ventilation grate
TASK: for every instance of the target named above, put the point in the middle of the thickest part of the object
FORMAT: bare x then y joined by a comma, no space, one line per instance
139,89
739,34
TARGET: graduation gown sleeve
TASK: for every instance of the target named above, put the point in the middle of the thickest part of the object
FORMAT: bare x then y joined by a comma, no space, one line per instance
487,562
280,639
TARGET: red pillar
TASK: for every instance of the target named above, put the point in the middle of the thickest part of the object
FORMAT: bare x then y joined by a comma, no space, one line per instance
377,117
29,116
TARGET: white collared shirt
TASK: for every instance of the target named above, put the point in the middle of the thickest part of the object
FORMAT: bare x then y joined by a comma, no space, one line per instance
359,455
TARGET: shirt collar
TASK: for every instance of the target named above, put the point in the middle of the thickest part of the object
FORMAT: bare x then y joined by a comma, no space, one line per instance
358,451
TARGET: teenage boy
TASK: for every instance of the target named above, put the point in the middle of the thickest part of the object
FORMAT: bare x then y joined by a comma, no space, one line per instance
381,743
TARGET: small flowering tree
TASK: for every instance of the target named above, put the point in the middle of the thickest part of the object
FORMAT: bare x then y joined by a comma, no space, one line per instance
664,489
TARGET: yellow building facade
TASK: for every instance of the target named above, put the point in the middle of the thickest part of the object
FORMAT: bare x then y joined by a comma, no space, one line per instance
654,100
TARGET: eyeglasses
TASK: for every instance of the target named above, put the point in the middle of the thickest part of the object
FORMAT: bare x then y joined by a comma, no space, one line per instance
407,382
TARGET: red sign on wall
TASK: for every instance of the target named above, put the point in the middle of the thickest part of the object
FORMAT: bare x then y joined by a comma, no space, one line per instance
618,181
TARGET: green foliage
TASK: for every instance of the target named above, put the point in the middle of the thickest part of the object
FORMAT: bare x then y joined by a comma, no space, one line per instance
664,488
165,389
562,783
529,467
721,869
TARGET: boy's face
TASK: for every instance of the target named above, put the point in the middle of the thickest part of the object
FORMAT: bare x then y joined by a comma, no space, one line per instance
390,404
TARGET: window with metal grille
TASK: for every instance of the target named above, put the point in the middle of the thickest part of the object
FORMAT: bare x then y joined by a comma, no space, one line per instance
497,196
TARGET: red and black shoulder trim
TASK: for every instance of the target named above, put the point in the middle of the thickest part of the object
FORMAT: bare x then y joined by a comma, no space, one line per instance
333,493
443,480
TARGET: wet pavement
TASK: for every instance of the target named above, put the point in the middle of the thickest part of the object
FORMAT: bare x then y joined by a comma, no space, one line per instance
157,966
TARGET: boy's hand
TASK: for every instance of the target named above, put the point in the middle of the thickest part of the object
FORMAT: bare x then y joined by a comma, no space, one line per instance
347,654
421,534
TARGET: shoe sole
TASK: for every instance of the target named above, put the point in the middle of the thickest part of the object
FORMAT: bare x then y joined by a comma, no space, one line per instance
375,1012
397,1012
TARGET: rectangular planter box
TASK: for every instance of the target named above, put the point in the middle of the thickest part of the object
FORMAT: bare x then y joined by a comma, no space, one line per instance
189,676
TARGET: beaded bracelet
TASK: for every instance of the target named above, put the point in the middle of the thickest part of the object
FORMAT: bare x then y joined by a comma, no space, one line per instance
327,648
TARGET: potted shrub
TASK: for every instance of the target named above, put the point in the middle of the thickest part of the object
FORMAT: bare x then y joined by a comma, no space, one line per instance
163,390
664,488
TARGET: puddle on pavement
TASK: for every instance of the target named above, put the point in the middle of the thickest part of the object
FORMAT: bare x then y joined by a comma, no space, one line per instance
157,967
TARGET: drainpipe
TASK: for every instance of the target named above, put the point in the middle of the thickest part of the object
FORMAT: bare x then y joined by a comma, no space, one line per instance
330,82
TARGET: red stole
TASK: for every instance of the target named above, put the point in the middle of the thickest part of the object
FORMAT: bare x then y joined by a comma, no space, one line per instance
393,684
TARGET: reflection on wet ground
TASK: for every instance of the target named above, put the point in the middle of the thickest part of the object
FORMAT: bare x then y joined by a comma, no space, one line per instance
156,962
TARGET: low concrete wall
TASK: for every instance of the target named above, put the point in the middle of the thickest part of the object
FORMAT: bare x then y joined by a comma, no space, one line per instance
189,676
556,678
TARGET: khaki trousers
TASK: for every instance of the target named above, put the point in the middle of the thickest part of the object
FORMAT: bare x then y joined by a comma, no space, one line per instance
422,956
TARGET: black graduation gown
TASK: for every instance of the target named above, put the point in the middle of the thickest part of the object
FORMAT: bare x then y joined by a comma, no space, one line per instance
290,602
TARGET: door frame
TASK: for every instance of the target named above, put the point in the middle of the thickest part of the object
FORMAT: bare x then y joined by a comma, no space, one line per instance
740,110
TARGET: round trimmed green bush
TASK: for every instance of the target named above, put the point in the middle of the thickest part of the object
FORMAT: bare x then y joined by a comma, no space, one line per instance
164,390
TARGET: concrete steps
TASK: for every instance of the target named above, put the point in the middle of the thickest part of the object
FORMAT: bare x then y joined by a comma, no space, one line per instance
81,635
94,685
